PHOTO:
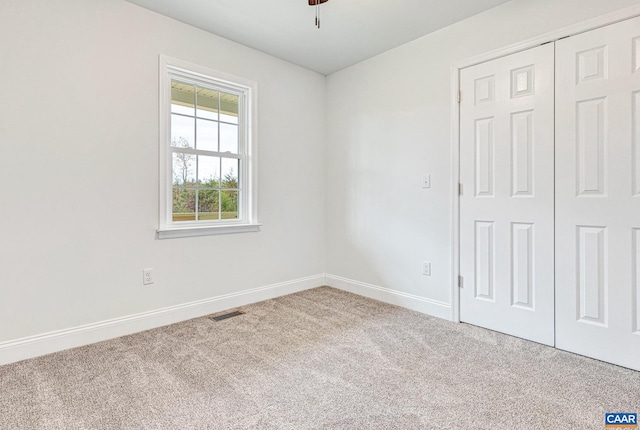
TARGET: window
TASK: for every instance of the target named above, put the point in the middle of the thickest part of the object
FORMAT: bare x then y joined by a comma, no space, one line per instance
207,152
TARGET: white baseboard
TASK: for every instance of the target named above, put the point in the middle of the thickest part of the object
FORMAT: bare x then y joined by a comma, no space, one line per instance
47,343
34,346
387,295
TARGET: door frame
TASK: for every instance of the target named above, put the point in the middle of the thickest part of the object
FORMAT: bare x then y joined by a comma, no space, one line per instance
581,27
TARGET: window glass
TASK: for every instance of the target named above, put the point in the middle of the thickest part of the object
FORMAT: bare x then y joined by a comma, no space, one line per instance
207,151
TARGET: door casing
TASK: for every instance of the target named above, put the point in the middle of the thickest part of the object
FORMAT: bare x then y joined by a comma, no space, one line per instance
591,24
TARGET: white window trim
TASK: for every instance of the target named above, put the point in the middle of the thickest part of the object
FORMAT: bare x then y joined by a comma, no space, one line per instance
171,67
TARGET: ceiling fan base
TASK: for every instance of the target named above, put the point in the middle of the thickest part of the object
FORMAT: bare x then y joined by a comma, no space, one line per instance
315,2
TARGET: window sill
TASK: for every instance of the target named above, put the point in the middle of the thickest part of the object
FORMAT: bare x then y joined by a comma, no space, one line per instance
207,231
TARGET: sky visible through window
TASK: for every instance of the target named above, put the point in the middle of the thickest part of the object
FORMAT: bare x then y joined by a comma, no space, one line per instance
204,122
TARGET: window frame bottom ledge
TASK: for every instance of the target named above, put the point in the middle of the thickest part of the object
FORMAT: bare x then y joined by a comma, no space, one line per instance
172,233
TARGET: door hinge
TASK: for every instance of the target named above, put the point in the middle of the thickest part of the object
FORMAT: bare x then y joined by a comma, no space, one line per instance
460,282
459,189
459,96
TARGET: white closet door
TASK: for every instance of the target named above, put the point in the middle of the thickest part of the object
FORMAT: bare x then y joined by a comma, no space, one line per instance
598,194
506,206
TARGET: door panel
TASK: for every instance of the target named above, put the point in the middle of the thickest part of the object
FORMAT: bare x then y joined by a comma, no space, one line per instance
506,207
598,194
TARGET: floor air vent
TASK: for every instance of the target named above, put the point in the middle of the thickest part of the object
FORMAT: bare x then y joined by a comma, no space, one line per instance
226,316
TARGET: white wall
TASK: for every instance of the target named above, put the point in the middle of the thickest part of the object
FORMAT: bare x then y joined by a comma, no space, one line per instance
79,168
388,123
79,162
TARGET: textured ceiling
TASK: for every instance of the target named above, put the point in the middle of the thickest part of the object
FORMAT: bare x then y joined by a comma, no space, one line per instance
351,30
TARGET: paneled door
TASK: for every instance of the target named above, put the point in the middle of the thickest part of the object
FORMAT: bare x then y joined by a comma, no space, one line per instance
598,194
507,200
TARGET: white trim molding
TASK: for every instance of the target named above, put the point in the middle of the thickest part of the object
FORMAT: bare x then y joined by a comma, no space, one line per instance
47,343
387,295
246,91
552,36
205,231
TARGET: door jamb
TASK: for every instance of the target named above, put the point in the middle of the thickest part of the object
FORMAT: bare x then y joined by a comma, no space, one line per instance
572,30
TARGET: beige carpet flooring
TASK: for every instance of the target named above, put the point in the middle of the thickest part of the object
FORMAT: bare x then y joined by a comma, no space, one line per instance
319,359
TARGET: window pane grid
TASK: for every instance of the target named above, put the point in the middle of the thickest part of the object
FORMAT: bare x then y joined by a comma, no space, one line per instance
194,201
227,107
203,118
209,153
205,128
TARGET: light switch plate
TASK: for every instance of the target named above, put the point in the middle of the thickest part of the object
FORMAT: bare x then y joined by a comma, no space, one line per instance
426,268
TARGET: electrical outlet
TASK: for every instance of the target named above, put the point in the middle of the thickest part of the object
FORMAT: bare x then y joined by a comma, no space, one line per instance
147,276
426,268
